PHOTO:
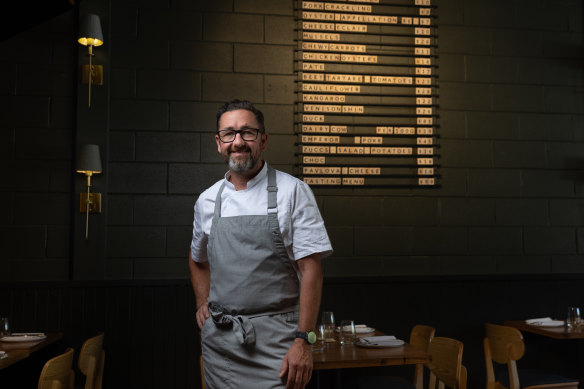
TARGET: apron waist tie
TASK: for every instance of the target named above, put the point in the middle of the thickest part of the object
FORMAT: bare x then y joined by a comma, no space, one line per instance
242,326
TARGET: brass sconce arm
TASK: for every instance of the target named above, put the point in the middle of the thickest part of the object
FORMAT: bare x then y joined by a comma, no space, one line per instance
89,163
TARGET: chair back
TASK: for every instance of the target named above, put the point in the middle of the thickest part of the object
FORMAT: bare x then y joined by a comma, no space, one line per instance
91,361
446,365
506,343
421,336
58,373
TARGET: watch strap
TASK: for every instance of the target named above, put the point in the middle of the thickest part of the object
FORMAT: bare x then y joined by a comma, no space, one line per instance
309,336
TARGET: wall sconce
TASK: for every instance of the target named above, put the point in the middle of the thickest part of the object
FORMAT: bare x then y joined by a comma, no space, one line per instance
89,163
90,35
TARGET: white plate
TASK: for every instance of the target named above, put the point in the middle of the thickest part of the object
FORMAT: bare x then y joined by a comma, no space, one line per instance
549,323
22,338
387,343
360,330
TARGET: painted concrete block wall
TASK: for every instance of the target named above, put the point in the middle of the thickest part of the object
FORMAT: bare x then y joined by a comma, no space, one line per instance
511,105
511,137
37,84
170,72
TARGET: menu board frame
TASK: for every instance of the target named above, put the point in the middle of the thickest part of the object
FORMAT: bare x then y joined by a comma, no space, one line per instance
367,93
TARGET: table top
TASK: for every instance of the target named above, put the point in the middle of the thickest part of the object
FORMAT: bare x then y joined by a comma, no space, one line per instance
551,332
336,356
18,351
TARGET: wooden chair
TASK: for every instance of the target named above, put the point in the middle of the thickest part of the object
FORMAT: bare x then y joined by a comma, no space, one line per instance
446,369
505,345
58,373
91,361
420,337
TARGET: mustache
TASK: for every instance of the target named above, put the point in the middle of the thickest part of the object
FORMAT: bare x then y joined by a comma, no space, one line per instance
238,149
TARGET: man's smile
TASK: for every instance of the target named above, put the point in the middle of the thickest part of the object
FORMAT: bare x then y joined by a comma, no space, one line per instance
239,152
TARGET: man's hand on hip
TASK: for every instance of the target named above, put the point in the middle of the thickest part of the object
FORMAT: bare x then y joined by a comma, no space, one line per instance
297,365
202,314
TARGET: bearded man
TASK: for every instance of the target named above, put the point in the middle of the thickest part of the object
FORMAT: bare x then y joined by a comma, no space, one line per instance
255,263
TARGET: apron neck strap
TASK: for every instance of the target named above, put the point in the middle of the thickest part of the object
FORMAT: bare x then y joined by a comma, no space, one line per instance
217,212
272,191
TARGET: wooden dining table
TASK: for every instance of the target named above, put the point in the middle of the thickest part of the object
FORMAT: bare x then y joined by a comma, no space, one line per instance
18,351
337,356
560,332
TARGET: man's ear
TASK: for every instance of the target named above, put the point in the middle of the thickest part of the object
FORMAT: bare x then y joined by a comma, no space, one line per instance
263,141
218,143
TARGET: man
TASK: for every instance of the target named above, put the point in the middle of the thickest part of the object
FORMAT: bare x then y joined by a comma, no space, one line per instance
255,263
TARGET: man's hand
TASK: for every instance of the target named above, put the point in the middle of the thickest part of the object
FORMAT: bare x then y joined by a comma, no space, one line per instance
202,314
200,279
297,364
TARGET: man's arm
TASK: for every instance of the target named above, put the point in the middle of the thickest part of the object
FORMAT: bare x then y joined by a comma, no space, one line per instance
298,361
200,279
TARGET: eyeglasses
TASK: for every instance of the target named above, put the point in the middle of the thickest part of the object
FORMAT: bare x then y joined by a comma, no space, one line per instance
247,134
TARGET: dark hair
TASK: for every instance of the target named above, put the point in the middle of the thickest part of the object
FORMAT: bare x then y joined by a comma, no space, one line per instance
234,105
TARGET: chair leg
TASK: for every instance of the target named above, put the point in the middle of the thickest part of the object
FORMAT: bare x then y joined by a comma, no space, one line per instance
463,378
419,376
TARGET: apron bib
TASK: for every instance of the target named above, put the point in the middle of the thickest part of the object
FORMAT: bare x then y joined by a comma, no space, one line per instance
253,298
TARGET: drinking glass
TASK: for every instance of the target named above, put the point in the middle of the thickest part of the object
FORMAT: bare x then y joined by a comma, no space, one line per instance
573,318
347,332
320,342
328,319
4,327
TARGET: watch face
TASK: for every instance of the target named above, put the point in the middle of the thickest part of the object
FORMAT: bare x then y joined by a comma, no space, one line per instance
311,338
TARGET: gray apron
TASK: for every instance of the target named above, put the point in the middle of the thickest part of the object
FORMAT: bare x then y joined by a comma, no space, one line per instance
253,299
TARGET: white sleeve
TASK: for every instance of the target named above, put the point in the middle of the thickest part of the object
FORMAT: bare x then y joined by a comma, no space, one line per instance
309,234
199,242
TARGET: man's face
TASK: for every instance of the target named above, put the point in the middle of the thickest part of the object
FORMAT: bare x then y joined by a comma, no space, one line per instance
242,156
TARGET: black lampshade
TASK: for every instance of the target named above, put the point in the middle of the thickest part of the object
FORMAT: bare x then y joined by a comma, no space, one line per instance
89,160
90,33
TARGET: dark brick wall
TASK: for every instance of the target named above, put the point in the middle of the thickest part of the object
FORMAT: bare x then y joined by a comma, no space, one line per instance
170,73
511,135
37,85
511,110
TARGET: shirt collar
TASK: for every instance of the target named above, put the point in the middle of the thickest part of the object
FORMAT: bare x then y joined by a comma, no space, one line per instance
251,183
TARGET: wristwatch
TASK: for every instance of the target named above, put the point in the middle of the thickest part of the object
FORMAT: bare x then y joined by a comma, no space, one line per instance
309,337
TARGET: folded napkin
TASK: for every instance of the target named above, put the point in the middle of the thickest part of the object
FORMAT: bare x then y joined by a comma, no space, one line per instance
539,321
359,329
356,326
378,339
3,355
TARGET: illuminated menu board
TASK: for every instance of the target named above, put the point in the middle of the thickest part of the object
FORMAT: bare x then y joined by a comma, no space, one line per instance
366,93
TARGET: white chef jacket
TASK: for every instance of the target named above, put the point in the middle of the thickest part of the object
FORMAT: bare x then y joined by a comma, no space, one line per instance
301,224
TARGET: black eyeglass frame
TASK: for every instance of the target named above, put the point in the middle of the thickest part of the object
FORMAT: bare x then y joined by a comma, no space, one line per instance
240,132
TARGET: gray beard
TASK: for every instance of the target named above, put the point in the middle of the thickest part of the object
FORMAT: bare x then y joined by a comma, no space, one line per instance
242,167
